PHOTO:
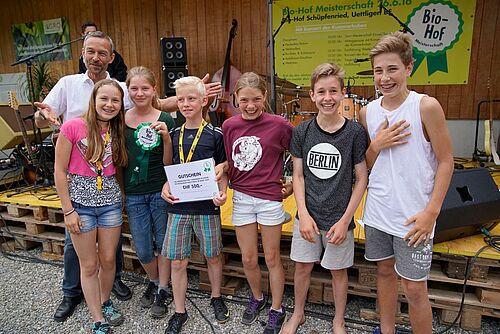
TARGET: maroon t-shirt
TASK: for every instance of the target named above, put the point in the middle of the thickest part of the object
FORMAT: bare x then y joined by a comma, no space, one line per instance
254,150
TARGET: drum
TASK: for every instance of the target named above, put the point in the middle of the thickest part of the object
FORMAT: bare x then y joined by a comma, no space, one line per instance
301,116
351,105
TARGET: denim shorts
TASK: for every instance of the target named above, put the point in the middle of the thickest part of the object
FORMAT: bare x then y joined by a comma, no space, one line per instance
147,218
92,217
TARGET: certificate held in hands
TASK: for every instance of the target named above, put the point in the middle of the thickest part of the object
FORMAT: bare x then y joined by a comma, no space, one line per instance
193,181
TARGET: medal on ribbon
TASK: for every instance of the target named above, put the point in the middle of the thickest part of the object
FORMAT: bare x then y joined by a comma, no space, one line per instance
145,137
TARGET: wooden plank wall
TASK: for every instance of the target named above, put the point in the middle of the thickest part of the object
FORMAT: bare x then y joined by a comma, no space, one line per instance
136,26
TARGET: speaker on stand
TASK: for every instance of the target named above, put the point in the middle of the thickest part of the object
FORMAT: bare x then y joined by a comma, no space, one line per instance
174,59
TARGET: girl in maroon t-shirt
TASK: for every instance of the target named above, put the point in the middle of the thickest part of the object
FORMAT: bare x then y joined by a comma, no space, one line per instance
255,142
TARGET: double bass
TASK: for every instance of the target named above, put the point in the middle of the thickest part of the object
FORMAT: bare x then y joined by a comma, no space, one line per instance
225,105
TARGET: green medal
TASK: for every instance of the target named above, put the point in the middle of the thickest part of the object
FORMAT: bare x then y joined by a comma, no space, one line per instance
145,137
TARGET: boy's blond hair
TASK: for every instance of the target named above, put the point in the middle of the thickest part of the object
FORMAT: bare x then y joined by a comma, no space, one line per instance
399,43
193,82
326,70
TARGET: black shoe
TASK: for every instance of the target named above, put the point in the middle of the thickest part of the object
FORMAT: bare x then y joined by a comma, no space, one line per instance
220,309
121,291
275,321
148,296
160,308
67,307
175,323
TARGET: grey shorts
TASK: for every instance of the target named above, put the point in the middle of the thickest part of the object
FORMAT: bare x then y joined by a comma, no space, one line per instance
335,257
412,263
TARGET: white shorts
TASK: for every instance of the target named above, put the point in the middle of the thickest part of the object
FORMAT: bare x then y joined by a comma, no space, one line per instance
335,257
248,209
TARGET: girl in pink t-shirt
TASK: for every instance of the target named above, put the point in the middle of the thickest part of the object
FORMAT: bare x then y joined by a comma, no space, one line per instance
87,152
255,142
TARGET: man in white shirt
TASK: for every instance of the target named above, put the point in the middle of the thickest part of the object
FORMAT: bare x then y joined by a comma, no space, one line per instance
69,98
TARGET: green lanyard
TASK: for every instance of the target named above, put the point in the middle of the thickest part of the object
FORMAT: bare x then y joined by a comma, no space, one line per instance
193,145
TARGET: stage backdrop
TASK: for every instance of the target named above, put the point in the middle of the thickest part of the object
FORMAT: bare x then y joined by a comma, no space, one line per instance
343,32
136,27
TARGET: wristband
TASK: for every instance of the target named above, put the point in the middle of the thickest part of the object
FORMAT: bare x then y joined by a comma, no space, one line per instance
69,212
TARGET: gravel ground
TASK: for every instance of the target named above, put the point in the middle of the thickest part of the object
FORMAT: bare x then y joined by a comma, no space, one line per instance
30,292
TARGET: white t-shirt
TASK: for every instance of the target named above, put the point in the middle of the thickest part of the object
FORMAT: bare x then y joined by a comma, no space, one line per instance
70,96
402,179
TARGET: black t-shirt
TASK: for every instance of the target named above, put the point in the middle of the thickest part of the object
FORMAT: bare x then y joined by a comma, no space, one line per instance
210,145
328,163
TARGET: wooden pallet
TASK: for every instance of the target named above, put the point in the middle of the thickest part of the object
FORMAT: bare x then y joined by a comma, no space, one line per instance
51,242
229,285
21,210
33,225
482,294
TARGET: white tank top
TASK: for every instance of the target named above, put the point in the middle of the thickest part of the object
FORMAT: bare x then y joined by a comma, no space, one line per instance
402,178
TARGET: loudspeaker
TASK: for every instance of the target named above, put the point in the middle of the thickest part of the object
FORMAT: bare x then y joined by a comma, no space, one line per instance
170,74
472,201
173,51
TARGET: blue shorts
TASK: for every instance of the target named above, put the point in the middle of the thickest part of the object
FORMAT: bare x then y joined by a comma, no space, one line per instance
92,217
147,218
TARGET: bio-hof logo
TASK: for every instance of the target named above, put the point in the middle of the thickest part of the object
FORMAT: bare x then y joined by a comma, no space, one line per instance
437,25
324,160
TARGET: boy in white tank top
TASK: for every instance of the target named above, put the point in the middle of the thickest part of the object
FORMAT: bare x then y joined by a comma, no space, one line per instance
410,157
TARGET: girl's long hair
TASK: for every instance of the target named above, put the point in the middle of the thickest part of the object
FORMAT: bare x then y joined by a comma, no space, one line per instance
95,142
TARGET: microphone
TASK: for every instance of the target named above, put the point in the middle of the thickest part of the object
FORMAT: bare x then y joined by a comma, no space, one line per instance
361,60
381,7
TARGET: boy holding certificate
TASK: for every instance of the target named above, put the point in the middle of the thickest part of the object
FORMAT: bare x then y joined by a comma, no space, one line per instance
195,140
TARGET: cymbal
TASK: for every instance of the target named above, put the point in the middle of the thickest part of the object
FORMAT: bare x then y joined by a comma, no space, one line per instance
293,91
366,72
278,81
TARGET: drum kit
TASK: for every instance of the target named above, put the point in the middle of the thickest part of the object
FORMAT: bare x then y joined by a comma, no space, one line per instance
290,97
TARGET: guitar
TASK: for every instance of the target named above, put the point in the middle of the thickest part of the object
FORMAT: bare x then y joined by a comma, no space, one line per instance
29,160
489,136
224,105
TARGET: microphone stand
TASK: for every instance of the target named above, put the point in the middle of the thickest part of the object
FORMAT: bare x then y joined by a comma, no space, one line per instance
404,27
37,133
272,54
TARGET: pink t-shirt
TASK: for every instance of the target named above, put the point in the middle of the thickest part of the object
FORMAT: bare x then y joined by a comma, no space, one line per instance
254,150
75,130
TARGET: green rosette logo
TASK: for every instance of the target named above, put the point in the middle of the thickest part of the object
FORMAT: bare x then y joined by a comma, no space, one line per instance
207,167
437,25
146,138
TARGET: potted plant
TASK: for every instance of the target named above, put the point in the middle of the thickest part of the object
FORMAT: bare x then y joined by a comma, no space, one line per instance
44,78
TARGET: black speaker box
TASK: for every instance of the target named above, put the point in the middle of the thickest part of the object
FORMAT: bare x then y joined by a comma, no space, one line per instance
472,201
170,74
173,51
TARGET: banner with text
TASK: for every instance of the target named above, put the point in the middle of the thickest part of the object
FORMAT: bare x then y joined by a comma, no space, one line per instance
34,37
317,31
